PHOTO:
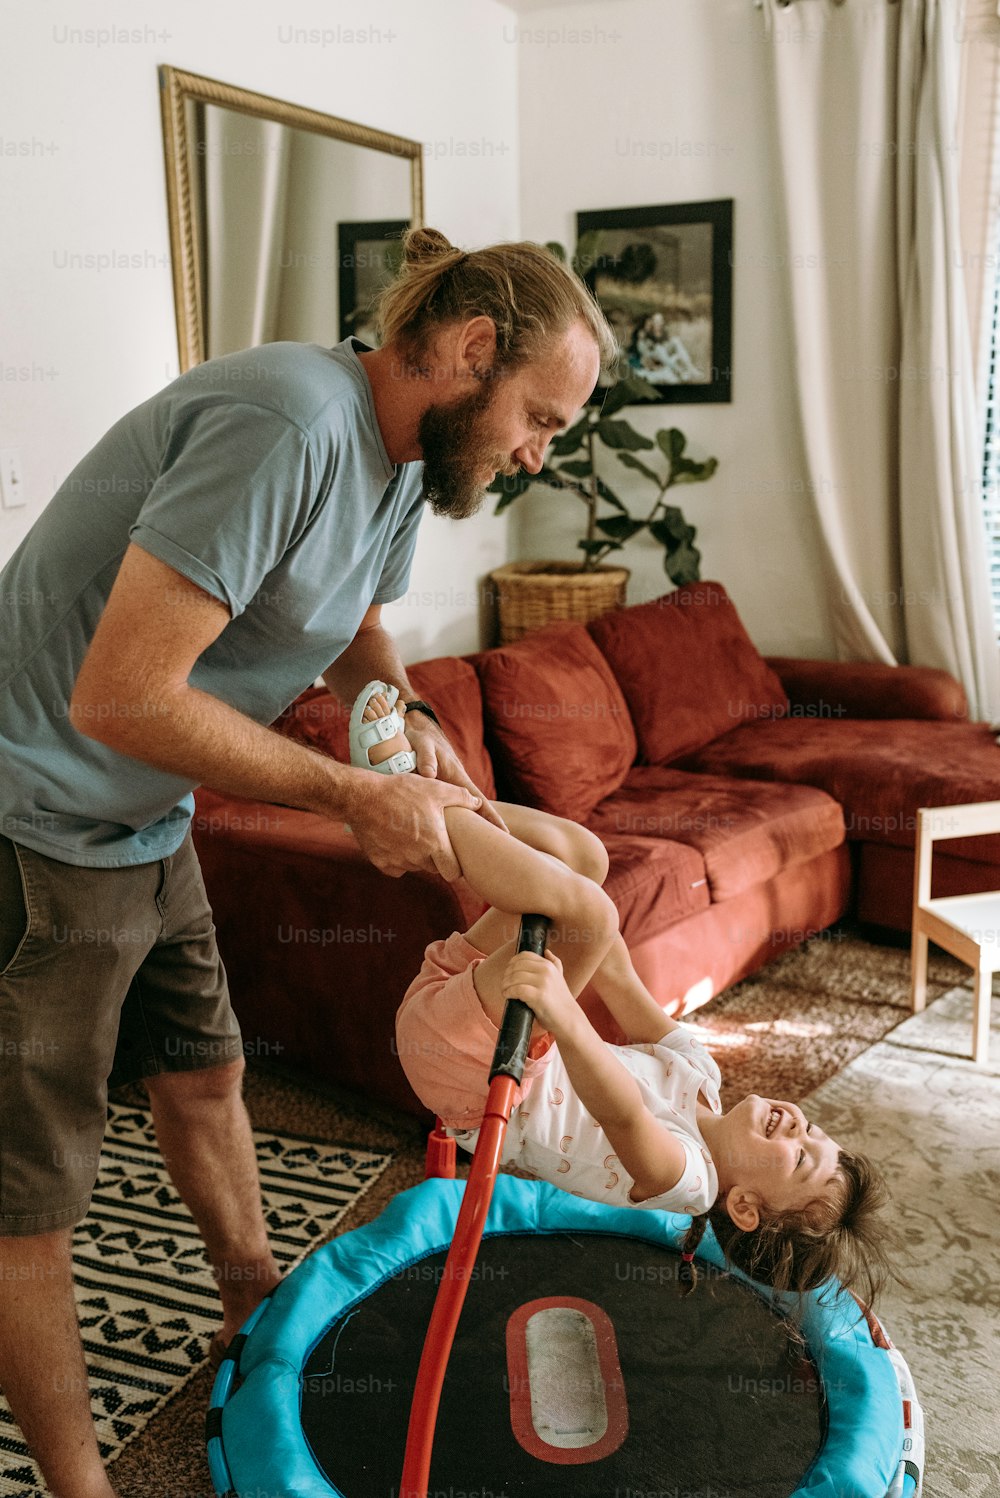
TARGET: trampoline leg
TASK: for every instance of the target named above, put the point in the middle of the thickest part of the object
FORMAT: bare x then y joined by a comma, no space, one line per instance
440,1158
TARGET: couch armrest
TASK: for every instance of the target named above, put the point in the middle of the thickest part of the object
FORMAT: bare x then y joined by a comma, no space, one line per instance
866,689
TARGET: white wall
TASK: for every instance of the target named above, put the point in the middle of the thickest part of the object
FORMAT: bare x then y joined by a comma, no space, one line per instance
81,175
663,101
526,117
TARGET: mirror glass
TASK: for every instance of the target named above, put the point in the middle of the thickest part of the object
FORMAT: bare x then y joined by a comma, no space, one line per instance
284,223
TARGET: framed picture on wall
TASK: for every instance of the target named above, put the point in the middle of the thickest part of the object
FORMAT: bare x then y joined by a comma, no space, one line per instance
368,257
664,279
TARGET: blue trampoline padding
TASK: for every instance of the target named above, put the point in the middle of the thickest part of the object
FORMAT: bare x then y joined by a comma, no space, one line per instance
263,1448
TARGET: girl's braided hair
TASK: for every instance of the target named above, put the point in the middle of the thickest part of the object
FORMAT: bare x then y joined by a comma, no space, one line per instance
531,297
839,1236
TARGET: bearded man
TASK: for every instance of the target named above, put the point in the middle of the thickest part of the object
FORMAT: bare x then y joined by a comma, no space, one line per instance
225,543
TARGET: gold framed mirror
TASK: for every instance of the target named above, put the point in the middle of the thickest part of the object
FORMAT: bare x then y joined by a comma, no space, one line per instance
282,222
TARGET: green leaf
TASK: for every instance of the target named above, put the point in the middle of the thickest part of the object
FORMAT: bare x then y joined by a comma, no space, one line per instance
671,528
687,472
509,487
555,248
683,566
610,496
620,527
580,468
618,434
631,461
625,392
672,443
568,441
587,249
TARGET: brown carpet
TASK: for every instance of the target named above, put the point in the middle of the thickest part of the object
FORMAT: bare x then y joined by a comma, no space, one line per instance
781,1033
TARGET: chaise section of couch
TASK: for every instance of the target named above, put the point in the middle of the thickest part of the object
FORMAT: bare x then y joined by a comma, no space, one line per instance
745,804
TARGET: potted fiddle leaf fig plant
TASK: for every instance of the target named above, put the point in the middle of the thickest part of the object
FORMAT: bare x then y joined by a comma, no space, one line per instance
534,593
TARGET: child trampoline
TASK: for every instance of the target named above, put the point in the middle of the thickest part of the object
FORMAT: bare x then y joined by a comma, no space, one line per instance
577,1369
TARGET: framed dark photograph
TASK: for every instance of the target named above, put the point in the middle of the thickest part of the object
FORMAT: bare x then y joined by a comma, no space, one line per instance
664,279
368,257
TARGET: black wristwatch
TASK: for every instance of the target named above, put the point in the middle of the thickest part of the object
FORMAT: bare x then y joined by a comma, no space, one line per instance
421,707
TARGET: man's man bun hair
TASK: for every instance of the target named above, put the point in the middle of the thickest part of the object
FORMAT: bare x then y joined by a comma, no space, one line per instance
426,244
531,298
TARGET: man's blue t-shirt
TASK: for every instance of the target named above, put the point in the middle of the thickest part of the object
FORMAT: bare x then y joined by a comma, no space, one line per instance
263,478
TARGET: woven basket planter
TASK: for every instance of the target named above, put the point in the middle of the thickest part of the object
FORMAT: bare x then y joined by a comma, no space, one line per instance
530,594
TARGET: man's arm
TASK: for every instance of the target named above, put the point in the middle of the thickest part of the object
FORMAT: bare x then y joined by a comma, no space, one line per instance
132,693
372,656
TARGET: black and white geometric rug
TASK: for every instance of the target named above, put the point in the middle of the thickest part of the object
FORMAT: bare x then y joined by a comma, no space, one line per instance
146,1295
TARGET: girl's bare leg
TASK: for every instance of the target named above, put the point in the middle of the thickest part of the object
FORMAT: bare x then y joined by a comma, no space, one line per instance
576,852
517,879
615,980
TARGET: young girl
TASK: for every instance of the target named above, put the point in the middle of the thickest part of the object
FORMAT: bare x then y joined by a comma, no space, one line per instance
638,1125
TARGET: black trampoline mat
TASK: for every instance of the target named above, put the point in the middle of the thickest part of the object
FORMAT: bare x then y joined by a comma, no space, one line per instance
720,1401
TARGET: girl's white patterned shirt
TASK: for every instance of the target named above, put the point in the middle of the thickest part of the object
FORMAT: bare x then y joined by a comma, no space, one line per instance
551,1136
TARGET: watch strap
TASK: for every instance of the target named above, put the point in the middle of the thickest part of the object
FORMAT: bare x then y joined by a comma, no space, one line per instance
419,706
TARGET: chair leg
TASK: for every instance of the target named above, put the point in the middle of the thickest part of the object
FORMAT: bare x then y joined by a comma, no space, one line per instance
981,1016
918,970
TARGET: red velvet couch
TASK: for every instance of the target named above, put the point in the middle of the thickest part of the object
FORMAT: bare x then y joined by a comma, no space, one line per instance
745,804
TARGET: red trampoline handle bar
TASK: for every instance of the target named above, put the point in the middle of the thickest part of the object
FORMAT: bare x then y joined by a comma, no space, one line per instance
505,1078
451,1292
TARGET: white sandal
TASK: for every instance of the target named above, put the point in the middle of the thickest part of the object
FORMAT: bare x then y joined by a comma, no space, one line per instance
366,736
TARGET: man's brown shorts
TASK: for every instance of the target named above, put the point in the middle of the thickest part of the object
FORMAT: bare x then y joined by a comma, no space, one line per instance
106,976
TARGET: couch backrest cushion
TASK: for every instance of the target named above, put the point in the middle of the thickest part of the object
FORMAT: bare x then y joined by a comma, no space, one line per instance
557,719
448,684
688,669
451,687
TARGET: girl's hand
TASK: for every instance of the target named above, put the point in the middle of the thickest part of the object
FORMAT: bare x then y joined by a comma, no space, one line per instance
539,983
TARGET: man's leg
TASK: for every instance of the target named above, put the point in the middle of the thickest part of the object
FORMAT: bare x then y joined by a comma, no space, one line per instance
70,939
42,1371
203,1130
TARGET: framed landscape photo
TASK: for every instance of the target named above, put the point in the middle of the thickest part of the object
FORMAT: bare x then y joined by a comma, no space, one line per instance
368,257
664,279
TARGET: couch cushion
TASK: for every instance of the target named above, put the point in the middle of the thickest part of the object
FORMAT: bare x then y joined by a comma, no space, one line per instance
747,831
880,772
557,720
654,883
688,669
447,683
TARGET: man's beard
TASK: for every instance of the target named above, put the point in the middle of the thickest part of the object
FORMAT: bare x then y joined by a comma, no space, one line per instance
457,447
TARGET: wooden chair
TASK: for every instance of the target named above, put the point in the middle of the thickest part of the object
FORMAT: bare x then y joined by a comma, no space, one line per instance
967,926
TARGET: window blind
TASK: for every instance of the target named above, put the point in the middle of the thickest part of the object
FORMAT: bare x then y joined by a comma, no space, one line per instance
979,22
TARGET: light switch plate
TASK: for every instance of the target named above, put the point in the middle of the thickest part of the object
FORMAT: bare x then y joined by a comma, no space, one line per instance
11,480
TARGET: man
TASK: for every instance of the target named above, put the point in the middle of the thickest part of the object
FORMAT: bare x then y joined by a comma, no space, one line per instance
225,543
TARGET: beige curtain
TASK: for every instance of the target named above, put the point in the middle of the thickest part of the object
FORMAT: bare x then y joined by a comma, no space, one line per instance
864,97
246,188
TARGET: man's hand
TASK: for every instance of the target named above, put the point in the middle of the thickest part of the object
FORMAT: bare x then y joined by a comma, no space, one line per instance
437,760
399,823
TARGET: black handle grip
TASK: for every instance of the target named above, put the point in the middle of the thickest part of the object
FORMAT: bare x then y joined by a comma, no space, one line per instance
515,1031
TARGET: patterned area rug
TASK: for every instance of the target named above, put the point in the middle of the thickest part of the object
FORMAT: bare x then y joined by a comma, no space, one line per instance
804,1017
146,1296
931,1119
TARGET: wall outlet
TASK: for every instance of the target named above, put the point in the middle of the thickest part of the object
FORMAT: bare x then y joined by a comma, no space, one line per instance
11,480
